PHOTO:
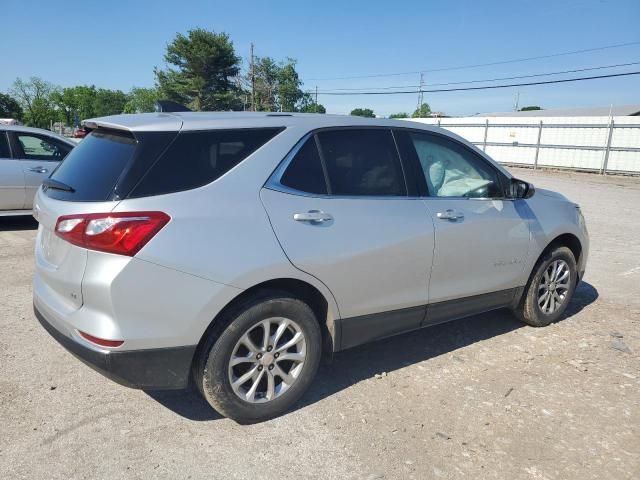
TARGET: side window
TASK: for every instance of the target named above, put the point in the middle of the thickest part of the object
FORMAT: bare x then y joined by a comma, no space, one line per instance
196,158
453,171
305,173
40,147
4,146
362,162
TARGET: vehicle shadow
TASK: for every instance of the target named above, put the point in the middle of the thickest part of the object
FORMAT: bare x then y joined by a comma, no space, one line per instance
357,364
24,222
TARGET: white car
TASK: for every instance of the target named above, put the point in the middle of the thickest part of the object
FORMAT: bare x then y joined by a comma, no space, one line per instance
27,157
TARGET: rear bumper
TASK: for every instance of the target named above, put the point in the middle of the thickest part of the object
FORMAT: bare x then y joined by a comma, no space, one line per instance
150,369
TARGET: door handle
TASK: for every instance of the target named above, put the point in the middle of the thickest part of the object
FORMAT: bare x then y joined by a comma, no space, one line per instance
312,216
38,170
450,214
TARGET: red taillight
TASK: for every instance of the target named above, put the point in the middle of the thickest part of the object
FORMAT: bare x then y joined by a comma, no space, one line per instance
121,233
100,341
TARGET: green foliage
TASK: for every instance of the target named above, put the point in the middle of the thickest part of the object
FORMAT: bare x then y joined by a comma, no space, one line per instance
200,72
312,107
78,103
109,102
9,107
75,103
277,86
35,99
530,108
422,111
363,112
142,100
399,115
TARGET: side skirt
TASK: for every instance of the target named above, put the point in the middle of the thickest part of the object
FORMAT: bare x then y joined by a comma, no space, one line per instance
366,328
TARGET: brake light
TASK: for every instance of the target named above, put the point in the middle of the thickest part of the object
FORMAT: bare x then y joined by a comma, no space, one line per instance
121,233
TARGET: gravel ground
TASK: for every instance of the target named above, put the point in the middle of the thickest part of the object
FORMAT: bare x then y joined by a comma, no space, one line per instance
484,397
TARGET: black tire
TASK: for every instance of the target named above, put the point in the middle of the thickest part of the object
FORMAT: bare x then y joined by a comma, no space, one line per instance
211,371
529,311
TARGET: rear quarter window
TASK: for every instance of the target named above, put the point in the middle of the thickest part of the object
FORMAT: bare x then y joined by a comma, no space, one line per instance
197,158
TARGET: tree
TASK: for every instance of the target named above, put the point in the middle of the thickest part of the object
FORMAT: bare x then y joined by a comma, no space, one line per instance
76,103
399,115
200,70
109,102
278,86
422,111
363,112
530,108
142,100
312,107
9,107
35,99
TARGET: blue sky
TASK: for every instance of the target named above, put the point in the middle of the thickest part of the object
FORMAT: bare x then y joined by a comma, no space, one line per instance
116,44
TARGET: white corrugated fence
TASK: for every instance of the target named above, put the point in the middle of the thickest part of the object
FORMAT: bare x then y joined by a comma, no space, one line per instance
603,144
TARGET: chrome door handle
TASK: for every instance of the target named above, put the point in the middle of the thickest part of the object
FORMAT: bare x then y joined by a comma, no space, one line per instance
450,215
38,170
312,216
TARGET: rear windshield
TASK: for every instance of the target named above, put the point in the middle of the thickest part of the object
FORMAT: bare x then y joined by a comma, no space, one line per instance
113,165
93,168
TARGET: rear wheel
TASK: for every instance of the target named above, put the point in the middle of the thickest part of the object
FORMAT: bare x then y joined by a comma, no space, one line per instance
549,289
263,361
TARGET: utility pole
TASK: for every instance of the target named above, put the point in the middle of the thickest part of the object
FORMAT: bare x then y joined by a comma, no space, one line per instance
316,94
253,81
420,95
517,104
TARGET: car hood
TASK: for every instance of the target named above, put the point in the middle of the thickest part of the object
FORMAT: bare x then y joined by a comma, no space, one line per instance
551,193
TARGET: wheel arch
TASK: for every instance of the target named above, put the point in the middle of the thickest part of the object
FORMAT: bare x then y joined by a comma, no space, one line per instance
322,304
568,240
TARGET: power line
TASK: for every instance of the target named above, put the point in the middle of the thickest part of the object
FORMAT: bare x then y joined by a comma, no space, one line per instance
461,67
487,79
487,87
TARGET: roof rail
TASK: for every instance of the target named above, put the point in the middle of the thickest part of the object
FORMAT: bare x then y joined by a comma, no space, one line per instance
170,106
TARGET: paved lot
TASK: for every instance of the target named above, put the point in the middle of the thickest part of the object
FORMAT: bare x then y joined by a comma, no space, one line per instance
483,397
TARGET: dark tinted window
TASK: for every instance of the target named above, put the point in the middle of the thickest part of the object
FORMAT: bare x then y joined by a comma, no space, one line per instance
198,158
305,173
362,162
4,146
41,147
94,166
451,170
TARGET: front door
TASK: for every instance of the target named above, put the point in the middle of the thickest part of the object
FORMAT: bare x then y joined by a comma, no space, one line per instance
482,238
340,209
11,178
39,155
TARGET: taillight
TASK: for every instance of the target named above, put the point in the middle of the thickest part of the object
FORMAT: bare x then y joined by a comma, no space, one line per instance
121,233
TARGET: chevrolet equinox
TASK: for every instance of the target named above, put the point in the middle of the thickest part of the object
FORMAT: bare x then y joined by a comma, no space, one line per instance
233,250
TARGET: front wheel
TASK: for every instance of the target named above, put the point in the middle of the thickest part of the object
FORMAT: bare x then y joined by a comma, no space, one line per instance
263,361
549,289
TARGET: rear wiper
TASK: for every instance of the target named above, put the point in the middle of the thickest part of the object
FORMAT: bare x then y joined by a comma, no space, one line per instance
56,185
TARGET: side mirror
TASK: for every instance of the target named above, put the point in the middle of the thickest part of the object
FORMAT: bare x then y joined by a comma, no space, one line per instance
521,189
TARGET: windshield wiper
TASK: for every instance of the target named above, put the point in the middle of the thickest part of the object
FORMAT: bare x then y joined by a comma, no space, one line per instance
56,185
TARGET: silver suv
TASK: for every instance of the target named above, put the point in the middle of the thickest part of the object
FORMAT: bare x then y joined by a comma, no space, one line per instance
233,250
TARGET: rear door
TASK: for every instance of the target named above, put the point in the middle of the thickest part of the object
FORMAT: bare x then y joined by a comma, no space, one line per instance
39,155
11,177
340,208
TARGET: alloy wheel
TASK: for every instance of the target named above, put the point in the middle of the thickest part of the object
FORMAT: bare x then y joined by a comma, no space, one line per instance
267,360
554,286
